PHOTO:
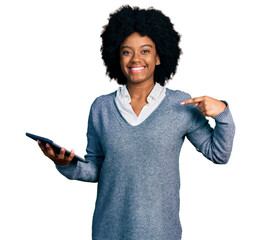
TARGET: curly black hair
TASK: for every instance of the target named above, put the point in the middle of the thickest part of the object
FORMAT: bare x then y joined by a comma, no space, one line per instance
147,22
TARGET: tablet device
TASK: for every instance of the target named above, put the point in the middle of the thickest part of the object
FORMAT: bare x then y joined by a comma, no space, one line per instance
54,146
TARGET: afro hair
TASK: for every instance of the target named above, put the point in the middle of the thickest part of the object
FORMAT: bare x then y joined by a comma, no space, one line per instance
147,22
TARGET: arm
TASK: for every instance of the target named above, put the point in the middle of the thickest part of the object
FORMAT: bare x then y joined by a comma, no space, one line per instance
215,144
89,171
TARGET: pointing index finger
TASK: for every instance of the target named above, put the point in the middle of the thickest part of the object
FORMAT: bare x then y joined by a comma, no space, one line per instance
192,100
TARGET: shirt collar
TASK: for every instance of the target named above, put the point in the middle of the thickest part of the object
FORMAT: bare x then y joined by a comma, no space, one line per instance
154,94
124,94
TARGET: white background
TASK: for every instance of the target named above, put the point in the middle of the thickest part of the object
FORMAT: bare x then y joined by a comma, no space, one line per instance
51,71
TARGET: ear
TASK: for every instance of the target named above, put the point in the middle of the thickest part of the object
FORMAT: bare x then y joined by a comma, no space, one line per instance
157,60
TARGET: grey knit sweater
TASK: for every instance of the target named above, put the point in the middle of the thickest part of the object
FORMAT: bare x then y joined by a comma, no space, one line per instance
137,167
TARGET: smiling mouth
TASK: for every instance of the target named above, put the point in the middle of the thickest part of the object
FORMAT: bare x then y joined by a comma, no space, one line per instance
136,69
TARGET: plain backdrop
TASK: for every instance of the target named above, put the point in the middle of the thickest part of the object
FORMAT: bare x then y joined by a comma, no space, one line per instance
51,71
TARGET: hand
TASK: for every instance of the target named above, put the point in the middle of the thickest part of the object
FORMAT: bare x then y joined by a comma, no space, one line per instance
59,159
208,106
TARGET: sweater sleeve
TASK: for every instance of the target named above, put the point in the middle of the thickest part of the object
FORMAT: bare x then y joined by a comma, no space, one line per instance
215,144
86,171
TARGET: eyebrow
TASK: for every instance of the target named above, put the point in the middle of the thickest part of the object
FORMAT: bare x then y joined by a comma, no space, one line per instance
145,45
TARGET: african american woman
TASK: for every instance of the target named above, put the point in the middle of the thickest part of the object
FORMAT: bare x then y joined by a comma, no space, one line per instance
135,133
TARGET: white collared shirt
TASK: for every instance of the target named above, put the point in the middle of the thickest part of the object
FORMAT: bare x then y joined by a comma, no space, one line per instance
123,100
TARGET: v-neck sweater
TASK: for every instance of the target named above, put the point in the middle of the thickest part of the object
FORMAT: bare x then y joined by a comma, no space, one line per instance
137,167
123,101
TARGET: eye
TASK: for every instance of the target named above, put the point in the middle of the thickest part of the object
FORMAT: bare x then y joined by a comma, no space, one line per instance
146,51
126,53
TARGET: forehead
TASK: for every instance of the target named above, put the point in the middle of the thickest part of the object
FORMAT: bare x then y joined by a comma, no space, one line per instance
135,39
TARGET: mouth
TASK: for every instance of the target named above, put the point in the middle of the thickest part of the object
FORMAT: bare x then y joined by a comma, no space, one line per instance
137,69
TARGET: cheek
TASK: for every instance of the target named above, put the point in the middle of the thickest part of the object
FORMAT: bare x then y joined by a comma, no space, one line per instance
123,66
152,63
124,62
152,60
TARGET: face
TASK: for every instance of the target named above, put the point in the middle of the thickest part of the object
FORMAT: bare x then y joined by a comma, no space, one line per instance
138,58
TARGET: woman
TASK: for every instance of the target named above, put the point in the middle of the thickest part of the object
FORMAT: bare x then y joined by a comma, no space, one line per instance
135,134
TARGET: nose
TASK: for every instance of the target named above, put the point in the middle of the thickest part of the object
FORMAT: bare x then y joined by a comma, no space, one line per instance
136,57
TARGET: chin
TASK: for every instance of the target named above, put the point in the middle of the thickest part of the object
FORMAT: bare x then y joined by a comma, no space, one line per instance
136,81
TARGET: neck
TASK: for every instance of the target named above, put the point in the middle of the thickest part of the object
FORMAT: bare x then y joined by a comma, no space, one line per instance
140,91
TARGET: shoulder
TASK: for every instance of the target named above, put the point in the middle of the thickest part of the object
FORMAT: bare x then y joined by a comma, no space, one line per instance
188,111
177,95
103,100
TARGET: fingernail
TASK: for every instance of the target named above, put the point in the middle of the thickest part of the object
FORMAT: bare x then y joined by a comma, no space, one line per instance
62,149
38,141
72,151
47,145
183,103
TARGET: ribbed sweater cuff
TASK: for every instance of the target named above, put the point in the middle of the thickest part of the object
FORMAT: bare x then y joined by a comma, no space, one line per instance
71,164
224,116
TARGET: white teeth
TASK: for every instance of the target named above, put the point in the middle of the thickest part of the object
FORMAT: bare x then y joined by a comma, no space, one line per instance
136,69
